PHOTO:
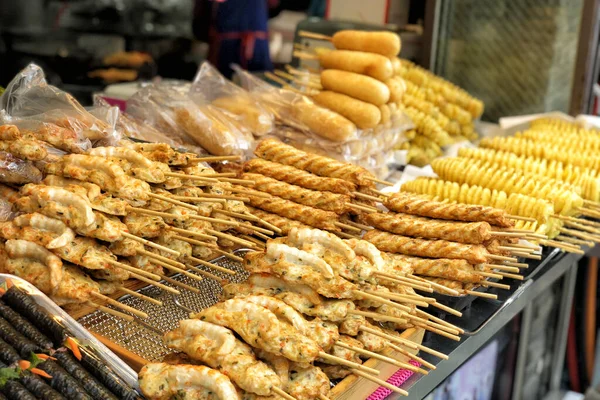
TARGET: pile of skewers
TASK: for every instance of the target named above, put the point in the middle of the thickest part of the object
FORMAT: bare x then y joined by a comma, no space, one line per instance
530,176
314,306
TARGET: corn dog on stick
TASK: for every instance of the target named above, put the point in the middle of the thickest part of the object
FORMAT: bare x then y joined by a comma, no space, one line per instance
307,215
384,241
416,205
274,150
298,177
582,177
410,225
283,223
322,200
456,270
566,202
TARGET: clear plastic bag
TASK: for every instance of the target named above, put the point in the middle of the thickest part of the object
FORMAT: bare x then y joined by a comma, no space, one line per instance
28,96
210,87
167,109
15,171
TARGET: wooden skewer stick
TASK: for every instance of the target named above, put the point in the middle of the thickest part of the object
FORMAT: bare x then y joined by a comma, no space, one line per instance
195,242
157,284
182,271
346,363
254,240
248,217
359,225
442,288
586,236
404,342
413,278
116,304
397,297
502,267
257,229
161,258
440,321
581,227
481,294
256,193
512,276
412,356
345,235
577,220
519,218
366,196
438,331
211,265
415,319
228,255
380,300
173,201
313,35
589,213
362,207
527,255
191,177
591,203
536,236
270,226
380,193
372,178
131,269
215,220
203,196
230,237
487,274
507,234
110,311
238,181
517,249
381,382
181,285
150,244
299,81
386,359
262,236
346,226
516,264
449,310
141,296
570,242
192,233
495,285
402,280
501,258
428,300
282,393
378,316
216,158
150,212
323,397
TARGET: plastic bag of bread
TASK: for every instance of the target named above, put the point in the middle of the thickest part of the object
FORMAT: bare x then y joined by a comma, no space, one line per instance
29,96
170,110
210,87
15,171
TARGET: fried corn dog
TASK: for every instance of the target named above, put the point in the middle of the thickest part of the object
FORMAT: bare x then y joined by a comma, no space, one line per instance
274,150
408,203
283,223
298,177
410,225
285,208
384,241
322,200
456,270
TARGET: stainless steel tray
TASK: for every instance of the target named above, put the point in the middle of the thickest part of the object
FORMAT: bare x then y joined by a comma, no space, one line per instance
144,337
76,330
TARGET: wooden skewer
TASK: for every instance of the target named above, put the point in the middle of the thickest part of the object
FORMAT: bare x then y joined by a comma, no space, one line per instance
150,244
230,237
161,258
346,226
192,233
191,177
586,236
533,247
516,264
442,288
386,359
495,285
581,227
182,271
591,203
380,300
400,280
248,217
254,240
216,158
404,342
428,300
527,255
122,306
238,181
131,269
381,382
195,242
112,312
345,235
283,82
229,255
570,242
480,294
211,265
257,229
262,236
313,35
536,236
415,279
141,296
487,274
378,316
323,397
501,258
397,297
299,81
440,321
507,234
282,393
438,331
157,284
512,276
215,220
359,225
577,220
346,363
366,196
270,226
256,193
519,218
150,212
502,267
181,285
362,207
517,249
415,319
412,356
372,178
173,201
203,196
380,193
589,213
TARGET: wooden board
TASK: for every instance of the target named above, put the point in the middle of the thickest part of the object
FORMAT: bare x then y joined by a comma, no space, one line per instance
354,387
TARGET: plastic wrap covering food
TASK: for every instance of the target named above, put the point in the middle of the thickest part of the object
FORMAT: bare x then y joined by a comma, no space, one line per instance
169,110
13,170
210,87
28,96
